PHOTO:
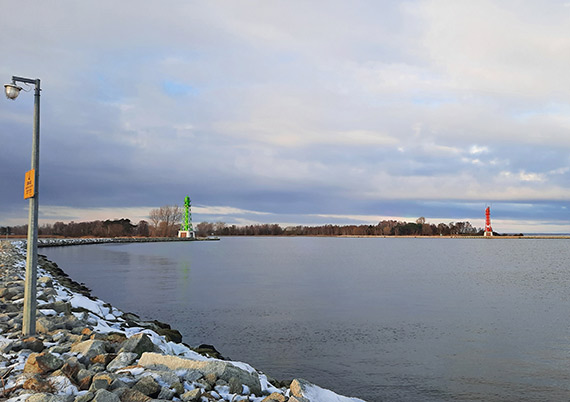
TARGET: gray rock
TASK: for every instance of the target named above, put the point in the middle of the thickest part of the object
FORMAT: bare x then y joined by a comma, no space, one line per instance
60,349
117,384
235,386
192,375
167,376
211,379
98,367
45,325
132,395
84,378
191,396
166,393
222,383
10,293
97,384
123,359
205,385
33,344
59,306
148,386
103,395
42,363
45,281
109,377
43,397
85,397
84,373
120,391
90,348
139,344
222,369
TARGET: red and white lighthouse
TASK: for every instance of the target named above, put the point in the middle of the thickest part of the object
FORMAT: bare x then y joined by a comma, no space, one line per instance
488,228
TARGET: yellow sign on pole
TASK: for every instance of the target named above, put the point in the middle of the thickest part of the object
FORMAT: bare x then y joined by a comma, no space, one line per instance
29,184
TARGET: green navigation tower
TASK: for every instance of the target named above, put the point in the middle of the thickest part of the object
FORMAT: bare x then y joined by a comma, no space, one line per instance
187,230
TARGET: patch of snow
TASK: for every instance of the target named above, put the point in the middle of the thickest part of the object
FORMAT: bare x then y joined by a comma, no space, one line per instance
48,312
19,398
95,306
316,393
266,386
134,371
63,385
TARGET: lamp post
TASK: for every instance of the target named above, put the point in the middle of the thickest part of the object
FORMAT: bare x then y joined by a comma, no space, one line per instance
29,321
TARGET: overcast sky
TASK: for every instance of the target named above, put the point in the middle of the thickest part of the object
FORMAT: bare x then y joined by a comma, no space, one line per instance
291,112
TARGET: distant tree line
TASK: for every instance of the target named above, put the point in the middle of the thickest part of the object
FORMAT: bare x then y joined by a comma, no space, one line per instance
383,228
108,228
165,222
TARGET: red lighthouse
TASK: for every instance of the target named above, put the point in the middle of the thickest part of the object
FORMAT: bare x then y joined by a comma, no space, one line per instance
488,228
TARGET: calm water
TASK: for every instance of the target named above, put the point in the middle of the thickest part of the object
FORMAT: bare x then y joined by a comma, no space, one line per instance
381,319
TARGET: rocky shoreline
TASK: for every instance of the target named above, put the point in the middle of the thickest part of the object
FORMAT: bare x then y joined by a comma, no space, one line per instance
87,350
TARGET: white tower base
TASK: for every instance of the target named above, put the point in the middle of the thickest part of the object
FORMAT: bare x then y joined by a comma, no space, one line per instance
186,233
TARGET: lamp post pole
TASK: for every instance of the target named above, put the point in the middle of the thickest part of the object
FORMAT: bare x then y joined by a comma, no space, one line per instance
29,320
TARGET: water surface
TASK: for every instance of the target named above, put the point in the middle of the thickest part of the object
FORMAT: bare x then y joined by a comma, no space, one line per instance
384,319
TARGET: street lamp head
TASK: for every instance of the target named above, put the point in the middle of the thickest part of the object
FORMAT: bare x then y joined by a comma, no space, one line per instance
12,91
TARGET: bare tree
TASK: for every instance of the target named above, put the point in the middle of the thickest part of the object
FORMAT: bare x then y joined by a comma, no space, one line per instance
165,220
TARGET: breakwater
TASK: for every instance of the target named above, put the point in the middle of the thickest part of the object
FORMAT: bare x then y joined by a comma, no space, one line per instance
102,240
87,350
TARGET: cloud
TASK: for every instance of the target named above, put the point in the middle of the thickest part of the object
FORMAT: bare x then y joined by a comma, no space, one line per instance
288,108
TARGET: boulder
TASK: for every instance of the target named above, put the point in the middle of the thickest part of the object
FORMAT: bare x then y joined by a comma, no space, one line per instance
167,377
148,386
85,397
171,335
42,363
235,386
59,306
132,395
11,293
103,395
116,384
221,369
103,359
84,378
123,359
101,381
166,393
33,343
303,391
191,396
275,397
298,389
90,348
45,397
38,384
139,344
45,281
97,384
45,325
71,367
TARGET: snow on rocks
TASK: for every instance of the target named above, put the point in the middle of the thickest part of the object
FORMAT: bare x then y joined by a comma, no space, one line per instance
86,350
